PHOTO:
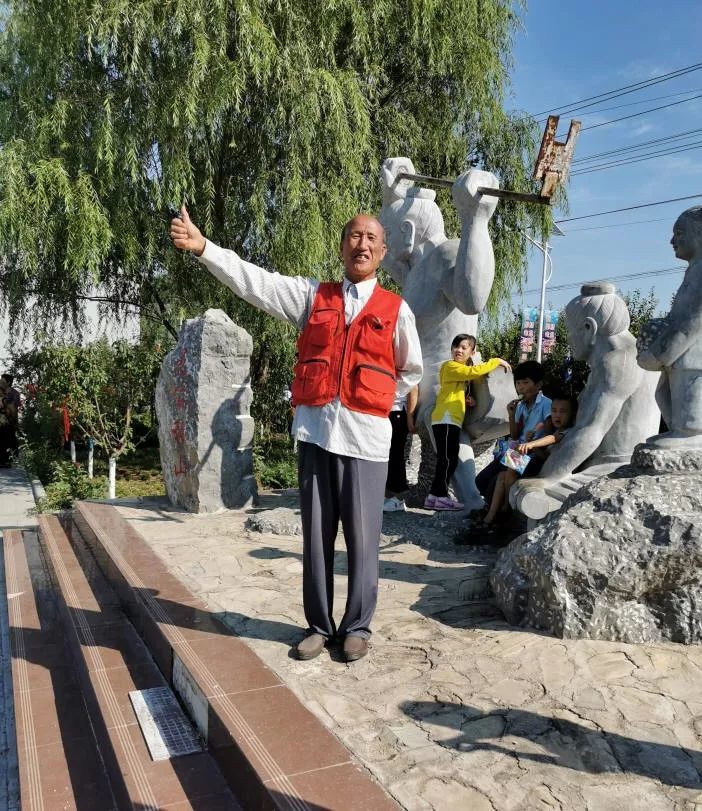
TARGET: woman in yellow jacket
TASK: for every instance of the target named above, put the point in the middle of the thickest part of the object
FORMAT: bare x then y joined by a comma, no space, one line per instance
448,414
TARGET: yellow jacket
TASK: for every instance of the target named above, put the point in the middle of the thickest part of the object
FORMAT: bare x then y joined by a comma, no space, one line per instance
451,399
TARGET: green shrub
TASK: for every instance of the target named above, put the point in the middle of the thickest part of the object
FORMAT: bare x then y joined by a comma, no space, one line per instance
69,483
275,463
38,459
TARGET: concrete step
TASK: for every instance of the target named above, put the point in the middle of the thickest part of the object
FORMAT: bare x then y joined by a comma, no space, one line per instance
273,752
112,662
59,761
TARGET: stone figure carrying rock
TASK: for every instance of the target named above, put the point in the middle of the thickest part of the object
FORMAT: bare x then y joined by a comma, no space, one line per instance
446,282
616,409
358,348
673,345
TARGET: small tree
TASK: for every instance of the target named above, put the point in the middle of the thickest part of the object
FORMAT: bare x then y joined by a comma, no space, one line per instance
641,309
102,386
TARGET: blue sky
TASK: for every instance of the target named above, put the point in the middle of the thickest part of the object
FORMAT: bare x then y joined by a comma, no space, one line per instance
569,51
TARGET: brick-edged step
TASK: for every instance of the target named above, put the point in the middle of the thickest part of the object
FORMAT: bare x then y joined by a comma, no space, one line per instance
273,751
59,761
111,661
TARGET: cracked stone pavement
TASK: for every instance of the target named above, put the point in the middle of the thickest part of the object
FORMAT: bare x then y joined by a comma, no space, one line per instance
453,708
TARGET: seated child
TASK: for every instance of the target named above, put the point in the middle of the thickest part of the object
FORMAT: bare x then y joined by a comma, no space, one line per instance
562,417
526,414
449,413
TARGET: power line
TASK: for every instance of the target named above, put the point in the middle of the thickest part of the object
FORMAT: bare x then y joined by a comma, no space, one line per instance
634,147
641,101
629,208
641,112
626,277
637,159
616,225
621,91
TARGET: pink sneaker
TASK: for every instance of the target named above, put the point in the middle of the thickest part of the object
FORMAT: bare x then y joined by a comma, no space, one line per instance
429,502
446,503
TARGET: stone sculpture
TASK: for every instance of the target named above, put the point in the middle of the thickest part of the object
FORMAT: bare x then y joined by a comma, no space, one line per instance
616,409
673,345
203,396
446,282
622,560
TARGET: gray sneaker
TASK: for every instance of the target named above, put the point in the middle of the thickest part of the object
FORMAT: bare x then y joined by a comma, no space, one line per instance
394,504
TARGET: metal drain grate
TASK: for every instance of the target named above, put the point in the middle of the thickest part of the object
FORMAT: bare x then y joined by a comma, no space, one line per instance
166,730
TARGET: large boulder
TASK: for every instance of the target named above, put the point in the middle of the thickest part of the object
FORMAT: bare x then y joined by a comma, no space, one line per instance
203,397
621,560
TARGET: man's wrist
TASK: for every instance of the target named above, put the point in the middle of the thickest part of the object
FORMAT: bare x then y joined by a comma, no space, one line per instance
202,250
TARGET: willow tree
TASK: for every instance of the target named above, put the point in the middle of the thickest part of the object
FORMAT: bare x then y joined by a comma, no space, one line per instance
270,119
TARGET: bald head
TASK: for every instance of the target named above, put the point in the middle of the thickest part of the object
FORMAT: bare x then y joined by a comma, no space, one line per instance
362,247
353,220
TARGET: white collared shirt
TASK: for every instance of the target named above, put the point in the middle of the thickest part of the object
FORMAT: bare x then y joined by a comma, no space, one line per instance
332,426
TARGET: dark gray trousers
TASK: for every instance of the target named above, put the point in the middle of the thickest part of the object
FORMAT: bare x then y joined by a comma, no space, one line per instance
333,487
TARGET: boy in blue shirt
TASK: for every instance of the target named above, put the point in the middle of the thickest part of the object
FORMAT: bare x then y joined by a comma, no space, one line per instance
527,418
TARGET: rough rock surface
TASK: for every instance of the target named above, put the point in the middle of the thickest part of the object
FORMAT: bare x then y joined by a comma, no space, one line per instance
203,396
622,560
278,521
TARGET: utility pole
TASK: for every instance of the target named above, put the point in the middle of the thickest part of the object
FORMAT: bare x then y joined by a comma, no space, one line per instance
546,274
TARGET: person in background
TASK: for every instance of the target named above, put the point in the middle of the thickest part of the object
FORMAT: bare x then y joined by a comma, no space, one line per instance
557,425
402,421
13,395
8,424
527,419
449,413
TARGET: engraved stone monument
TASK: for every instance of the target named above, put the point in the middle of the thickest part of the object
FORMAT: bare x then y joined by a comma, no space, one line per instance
203,397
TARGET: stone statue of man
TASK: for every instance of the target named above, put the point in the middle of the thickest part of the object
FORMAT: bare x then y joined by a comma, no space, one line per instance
446,283
617,408
673,345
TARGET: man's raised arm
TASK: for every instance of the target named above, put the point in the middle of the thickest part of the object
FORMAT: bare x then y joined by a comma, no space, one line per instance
285,297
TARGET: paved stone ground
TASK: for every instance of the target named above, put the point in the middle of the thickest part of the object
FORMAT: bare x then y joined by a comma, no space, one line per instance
16,500
453,708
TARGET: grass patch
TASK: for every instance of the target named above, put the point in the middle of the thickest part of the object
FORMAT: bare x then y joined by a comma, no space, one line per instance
138,473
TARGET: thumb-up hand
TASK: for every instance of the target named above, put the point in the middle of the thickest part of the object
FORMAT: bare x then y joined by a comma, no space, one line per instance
185,234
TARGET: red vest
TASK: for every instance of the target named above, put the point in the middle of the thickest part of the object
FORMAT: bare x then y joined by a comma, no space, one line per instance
356,362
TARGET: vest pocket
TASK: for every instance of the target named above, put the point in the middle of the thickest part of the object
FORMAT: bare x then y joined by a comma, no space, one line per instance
375,335
311,381
321,327
374,387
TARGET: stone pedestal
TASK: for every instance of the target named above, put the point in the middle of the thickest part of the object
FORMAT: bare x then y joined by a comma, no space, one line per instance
203,397
621,560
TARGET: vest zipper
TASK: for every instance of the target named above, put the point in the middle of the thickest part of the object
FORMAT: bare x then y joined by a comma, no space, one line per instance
347,329
377,369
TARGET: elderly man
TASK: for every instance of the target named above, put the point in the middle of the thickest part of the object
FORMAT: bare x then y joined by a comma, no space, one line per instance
358,348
